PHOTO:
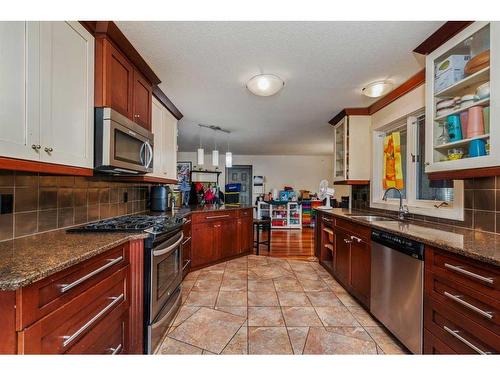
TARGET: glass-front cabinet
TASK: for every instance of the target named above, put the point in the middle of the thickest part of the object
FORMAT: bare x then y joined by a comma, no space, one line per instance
462,101
352,149
340,145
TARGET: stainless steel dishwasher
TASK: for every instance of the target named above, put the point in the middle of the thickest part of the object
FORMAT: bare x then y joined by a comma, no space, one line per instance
397,280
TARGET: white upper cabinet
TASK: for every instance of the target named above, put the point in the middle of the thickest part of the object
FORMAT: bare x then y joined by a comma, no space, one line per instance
164,127
462,115
47,91
18,87
67,93
352,149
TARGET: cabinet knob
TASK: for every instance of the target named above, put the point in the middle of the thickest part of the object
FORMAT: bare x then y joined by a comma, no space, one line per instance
36,147
137,116
427,164
48,149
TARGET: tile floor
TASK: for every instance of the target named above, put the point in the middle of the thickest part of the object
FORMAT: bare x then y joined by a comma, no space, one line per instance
263,305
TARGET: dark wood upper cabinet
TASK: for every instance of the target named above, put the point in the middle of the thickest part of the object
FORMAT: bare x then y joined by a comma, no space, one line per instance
142,97
120,73
119,85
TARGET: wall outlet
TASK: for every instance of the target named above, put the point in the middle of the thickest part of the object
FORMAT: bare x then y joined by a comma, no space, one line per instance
125,196
6,203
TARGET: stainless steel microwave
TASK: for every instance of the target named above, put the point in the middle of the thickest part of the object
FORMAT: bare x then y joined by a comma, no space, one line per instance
120,145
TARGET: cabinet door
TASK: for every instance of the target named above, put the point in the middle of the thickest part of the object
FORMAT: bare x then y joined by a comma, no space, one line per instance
67,94
360,270
244,234
118,81
205,243
340,151
228,239
19,83
142,96
158,129
170,146
342,256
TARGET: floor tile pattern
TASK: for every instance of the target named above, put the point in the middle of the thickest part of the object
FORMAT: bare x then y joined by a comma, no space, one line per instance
263,305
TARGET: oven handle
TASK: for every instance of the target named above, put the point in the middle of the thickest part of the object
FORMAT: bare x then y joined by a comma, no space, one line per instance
168,249
150,159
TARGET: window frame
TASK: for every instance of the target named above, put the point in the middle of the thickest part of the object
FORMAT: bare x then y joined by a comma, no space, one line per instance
454,211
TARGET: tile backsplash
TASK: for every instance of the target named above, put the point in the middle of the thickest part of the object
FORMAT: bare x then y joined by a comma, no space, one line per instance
481,204
46,202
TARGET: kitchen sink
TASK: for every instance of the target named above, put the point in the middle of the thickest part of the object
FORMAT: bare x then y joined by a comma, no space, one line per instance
371,218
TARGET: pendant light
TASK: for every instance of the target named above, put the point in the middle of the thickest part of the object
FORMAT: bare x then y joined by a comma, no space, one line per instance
229,155
201,151
215,152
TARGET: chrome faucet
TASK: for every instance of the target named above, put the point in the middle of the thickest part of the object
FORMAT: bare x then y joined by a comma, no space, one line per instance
403,210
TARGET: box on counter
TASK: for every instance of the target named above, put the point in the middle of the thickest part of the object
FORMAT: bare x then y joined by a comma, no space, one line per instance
449,71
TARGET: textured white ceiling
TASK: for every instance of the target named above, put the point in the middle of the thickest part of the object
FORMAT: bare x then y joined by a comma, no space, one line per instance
204,67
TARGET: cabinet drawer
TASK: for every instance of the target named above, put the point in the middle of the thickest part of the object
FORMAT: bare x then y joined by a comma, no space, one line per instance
57,332
432,345
476,275
355,228
247,212
214,216
457,331
476,306
45,296
108,337
328,221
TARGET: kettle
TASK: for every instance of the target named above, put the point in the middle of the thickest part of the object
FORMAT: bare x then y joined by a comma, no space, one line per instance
159,198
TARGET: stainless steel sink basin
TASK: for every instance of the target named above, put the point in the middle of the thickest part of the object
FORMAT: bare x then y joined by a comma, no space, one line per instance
371,218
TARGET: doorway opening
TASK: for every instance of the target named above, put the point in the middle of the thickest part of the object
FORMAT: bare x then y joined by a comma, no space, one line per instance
241,174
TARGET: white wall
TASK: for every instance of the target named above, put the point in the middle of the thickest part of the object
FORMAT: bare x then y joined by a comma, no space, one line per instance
407,104
302,172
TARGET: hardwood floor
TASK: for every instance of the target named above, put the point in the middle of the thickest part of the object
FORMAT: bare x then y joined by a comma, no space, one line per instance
290,243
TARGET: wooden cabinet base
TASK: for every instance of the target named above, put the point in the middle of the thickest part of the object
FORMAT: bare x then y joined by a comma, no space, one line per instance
94,307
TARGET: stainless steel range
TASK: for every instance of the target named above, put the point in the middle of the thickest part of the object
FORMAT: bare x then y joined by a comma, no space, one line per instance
162,268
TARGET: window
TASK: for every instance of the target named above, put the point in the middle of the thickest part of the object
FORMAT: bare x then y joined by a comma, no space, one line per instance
440,198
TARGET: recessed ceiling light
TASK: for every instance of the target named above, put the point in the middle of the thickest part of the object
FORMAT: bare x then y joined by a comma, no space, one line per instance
376,89
265,84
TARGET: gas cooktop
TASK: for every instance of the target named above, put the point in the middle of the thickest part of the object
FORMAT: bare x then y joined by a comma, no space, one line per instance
134,223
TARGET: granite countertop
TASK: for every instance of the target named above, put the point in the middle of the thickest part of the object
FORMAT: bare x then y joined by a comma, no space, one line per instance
467,242
26,260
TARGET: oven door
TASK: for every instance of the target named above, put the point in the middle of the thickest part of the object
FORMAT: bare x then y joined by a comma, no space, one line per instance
166,272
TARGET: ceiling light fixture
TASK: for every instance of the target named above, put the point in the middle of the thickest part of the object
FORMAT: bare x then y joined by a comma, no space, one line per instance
265,84
376,89
201,151
215,152
229,155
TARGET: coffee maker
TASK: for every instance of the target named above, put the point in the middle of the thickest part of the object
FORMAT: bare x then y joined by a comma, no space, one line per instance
160,198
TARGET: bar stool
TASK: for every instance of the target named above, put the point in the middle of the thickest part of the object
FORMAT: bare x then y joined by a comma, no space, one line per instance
262,225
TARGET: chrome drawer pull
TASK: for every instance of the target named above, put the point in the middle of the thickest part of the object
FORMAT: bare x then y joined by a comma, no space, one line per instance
347,241
468,305
327,220
455,334
356,238
186,241
115,350
216,216
112,262
460,269
69,339
186,264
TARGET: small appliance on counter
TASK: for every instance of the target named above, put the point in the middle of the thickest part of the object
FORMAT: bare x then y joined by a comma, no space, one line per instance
159,198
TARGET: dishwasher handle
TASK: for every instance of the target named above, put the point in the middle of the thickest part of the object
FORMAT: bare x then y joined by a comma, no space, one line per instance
401,244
